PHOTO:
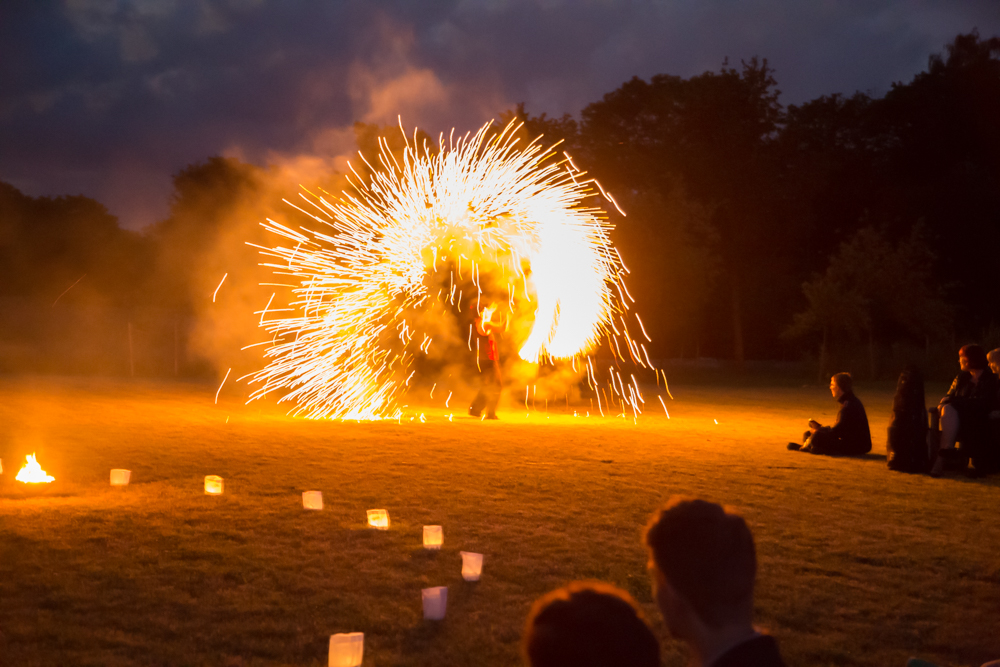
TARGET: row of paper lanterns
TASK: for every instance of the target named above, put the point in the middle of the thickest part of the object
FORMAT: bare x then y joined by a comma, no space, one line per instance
347,649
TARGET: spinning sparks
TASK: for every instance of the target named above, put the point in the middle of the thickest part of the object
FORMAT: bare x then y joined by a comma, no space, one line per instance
478,219
32,473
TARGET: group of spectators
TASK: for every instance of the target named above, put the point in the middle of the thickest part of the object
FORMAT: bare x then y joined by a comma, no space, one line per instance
964,428
703,565
702,558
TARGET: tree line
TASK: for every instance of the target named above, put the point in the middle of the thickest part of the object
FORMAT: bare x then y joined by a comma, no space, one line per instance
847,229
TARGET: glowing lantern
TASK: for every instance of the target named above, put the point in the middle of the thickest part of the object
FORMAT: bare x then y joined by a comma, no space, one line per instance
312,500
378,519
120,477
347,649
213,485
433,537
32,473
435,602
472,565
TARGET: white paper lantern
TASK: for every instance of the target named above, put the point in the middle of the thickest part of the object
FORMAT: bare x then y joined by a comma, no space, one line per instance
472,565
213,485
312,500
378,519
435,602
347,649
433,537
120,477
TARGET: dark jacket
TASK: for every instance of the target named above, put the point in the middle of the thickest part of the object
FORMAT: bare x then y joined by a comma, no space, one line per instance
973,399
761,651
906,444
851,429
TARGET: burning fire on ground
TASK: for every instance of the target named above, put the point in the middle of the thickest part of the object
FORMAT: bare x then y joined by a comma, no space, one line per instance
32,473
476,224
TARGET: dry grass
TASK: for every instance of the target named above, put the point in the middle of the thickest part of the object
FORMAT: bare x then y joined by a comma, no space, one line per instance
858,566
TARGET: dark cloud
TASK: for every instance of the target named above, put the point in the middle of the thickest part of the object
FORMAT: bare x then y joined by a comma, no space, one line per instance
109,97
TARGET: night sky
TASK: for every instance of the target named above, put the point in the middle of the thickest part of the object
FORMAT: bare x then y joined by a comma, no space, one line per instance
109,98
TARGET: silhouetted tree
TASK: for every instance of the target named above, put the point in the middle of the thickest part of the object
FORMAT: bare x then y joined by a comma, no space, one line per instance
708,137
368,137
564,131
49,243
874,288
831,154
207,197
944,167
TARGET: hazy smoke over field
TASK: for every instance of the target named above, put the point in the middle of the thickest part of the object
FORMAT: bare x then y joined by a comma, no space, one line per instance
227,327
224,327
381,89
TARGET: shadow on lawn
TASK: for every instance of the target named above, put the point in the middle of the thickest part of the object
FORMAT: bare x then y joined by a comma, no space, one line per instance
420,639
954,475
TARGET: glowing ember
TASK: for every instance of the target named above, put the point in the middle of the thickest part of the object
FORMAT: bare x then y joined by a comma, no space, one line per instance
32,473
478,218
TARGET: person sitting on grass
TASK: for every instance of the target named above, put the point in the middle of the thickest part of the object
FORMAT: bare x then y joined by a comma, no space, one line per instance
993,357
850,435
588,624
703,563
906,441
994,426
965,409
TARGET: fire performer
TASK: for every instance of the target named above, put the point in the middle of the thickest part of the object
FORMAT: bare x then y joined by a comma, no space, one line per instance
488,363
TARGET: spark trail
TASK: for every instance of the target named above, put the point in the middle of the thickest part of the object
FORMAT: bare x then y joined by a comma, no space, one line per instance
505,227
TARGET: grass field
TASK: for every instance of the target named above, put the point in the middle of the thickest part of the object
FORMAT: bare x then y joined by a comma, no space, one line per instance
858,566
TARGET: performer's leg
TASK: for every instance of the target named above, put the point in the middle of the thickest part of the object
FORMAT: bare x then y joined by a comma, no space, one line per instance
478,403
493,389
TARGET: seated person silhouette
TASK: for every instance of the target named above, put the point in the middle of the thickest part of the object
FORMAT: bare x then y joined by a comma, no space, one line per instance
964,412
906,438
850,435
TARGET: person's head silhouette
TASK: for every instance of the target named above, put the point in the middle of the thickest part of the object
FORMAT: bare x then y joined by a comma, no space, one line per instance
588,624
704,565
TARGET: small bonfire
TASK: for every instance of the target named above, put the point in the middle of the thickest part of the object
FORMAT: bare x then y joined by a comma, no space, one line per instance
32,473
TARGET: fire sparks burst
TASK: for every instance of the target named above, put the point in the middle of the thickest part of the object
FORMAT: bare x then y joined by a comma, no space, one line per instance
478,218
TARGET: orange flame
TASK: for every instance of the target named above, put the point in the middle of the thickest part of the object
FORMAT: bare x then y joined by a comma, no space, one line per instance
32,473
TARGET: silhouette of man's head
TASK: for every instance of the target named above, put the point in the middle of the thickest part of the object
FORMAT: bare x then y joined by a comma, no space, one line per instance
844,381
589,625
704,566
